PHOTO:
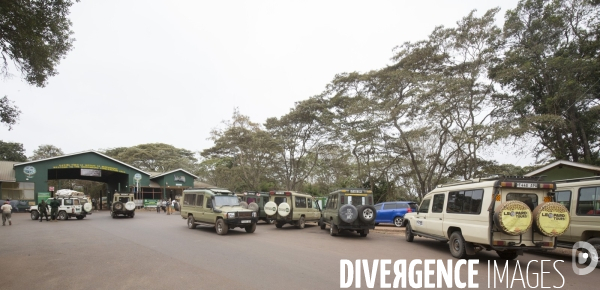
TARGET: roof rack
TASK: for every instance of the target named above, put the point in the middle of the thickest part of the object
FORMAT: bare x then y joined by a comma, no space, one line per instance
494,177
578,179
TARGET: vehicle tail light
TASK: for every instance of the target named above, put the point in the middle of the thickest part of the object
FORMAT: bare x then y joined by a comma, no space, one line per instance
409,210
288,193
272,192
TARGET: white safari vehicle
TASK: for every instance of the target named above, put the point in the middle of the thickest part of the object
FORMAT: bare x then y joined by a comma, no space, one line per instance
72,204
506,214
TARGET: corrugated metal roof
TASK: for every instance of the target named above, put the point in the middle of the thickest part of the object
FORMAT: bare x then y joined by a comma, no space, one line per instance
178,169
7,172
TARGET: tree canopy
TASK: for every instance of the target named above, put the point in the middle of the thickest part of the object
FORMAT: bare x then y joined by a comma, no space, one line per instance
12,152
46,151
154,157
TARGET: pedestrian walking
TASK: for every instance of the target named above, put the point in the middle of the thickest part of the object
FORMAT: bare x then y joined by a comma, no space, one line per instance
94,205
6,212
54,204
164,205
43,209
169,207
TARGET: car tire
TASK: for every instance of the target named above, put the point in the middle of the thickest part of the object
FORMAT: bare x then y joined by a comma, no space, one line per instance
221,227
398,221
322,224
113,215
376,224
596,243
251,228
35,215
191,222
348,213
278,225
333,230
118,206
300,223
63,215
409,234
253,206
132,215
457,244
507,255
244,204
80,217
362,233
270,221
367,213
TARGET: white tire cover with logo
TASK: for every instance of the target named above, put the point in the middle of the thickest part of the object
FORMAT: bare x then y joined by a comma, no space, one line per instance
253,206
270,208
243,204
283,209
130,205
87,207
551,218
513,217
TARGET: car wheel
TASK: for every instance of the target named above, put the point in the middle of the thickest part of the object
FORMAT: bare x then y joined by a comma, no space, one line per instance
251,228
398,221
279,225
62,215
322,224
409,234
367,213
35,215
132,215
362,234
221,227
118,206
376,224
457,245
191,222
333,230
112,214
507,255
270,221
300,224
596,243
79,217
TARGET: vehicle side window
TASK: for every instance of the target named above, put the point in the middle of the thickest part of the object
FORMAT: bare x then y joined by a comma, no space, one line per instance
401,205
468,201
309,203
588,202
424,208
564,198
391,205
414,206
200,200
76,201
189,199
300,202
378,206
209,202
334,202
438,203
68,201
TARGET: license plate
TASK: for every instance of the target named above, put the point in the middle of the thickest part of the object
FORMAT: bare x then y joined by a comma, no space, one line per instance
246,221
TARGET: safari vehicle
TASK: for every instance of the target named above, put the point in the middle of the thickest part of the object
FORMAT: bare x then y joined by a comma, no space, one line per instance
506,214
581,196
218,208
123,204
349,209
72,204
290,207
256,201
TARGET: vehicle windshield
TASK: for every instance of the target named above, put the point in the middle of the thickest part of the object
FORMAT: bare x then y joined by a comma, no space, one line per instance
222,200
358,200
123,199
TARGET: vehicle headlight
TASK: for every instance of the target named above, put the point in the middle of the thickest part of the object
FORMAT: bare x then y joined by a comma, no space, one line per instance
253,214
230,215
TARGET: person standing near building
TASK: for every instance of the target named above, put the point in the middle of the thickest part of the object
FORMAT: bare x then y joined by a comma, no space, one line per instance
169,207
158,206
43,209
54,204
6,212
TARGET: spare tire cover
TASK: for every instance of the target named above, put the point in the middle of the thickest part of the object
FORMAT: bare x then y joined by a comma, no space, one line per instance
283,209
118,206
130,205
244,204
270,208
87,207
253,206
551,219
513,217
348,213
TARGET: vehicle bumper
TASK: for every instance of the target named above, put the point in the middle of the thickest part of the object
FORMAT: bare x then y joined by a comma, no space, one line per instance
237,222
355,227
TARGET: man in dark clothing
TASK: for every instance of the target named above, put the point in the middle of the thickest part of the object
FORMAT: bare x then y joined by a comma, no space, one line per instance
54,204
43,209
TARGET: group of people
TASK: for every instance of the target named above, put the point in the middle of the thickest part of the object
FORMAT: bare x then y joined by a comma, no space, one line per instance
43,209
166,205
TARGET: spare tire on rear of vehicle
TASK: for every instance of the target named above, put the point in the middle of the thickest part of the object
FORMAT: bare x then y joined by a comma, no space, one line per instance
253,206
551,219
366,213
244,204
283,209
348,213
87,207
270,208
130,205
118,205
513,217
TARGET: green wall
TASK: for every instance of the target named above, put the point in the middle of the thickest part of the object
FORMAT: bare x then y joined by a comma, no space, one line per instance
566,172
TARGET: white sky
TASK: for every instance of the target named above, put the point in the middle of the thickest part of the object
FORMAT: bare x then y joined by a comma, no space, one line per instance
170,71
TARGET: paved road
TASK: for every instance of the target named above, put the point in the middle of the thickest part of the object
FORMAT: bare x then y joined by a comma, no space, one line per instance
157,251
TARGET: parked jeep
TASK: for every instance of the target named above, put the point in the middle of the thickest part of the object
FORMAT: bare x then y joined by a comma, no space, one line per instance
290,207
218,208
581,196
123,204
256,201
69,207
351,210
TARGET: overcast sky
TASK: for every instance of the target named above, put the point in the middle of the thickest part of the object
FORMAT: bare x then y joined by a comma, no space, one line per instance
170,71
